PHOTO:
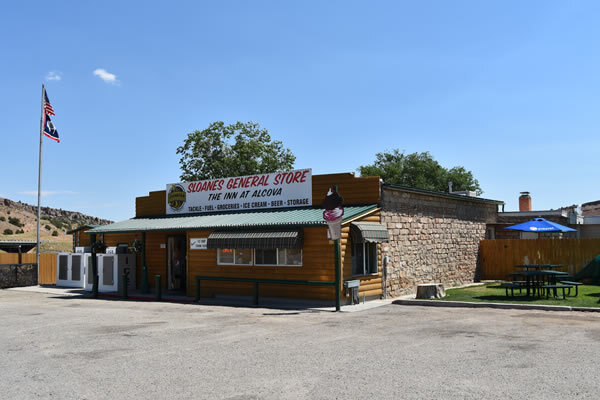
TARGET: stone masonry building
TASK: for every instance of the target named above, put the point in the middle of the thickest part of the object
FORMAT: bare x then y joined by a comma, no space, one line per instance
434,237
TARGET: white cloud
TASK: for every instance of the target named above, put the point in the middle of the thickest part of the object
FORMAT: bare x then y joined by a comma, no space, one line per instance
106,76
48,192
53,76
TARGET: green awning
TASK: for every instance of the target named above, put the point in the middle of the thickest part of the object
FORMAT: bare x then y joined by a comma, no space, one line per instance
372,232
279,239
245,221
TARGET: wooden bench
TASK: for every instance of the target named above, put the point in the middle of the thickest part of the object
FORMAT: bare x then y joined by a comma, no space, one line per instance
571,283
554,287
511,286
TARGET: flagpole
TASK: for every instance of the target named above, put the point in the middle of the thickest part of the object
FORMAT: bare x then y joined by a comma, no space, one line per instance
37,253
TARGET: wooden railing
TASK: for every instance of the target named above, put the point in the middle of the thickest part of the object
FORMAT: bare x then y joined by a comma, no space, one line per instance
498,257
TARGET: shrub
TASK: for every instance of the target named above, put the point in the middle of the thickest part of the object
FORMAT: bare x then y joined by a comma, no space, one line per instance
54,233
47,227
20,231
15,221
2,219
8,232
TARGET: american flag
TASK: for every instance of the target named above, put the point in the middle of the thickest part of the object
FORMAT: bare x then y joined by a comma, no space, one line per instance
47,106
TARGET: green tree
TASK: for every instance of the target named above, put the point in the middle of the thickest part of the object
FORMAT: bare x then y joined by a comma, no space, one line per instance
232,150
419,170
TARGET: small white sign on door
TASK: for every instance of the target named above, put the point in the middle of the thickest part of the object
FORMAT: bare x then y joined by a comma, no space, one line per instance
198,243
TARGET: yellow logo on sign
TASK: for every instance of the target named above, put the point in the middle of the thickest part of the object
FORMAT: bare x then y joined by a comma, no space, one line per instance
176,197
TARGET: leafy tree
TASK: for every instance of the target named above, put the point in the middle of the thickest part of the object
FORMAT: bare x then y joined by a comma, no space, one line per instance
54,233
8,232
419,170
232,150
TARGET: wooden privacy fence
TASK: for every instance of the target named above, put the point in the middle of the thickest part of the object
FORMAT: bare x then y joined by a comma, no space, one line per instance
499,257
47,265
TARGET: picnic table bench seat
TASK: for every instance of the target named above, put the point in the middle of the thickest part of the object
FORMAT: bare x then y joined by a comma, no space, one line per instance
563,287
571,283
512,286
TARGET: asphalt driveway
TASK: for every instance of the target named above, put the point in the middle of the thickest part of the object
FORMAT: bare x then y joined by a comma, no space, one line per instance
75,348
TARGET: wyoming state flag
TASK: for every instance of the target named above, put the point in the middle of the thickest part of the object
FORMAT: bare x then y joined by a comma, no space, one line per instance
50,129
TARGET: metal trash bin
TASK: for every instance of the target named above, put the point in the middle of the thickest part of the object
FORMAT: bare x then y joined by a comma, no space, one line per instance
352,290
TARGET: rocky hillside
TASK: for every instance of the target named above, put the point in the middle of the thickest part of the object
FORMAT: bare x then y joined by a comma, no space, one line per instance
18,221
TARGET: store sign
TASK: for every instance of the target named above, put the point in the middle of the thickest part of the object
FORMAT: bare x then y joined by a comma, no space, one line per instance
198,243
275,190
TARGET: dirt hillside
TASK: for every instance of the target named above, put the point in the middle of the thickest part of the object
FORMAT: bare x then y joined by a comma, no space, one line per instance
18,222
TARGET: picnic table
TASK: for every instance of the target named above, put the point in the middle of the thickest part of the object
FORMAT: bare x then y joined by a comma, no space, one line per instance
539,267
536,279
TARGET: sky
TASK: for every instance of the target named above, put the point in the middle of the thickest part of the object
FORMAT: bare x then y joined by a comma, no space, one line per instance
508,89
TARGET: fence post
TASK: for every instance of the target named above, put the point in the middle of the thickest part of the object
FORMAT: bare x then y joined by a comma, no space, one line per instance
158,287
255,293
197,289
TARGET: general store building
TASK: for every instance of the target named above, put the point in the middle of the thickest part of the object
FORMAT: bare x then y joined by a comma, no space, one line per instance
392,237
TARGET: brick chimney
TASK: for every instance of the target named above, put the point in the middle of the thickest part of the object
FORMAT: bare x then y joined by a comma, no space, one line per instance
524,202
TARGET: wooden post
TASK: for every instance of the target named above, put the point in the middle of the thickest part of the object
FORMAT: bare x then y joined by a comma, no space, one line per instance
145,286
94,267
337,263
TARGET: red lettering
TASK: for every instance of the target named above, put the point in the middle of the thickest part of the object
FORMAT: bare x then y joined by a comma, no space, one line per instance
254,180
289,178
297,176
229,183
304,173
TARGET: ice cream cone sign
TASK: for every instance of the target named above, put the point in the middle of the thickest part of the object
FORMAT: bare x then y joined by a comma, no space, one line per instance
334,211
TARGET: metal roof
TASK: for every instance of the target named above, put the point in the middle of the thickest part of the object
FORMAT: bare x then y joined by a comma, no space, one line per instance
371,232
269,218
82,227
12,246
440,194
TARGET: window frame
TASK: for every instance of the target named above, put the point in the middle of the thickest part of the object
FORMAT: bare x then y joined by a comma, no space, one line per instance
219,262
253,259
364,259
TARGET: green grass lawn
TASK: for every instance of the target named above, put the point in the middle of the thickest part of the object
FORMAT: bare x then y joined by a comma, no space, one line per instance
492,293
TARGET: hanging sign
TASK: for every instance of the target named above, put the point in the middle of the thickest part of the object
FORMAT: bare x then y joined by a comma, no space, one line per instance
274,190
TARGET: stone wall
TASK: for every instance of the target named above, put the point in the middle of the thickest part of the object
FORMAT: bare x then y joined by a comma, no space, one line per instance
432,239
16,275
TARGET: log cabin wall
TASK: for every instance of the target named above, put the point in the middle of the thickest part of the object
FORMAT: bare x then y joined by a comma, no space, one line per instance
317,252
317,265
371,286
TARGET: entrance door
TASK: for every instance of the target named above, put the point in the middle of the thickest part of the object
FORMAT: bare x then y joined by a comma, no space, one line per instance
176,263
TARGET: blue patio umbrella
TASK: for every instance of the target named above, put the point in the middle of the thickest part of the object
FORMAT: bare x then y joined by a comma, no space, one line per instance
540,225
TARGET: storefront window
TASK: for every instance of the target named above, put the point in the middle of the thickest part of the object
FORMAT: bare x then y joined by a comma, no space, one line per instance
225,256
364,258
265,256
262,257
243,256
234,256
290,257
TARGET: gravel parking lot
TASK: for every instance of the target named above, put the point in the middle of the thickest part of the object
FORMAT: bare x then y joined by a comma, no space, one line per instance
77,348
